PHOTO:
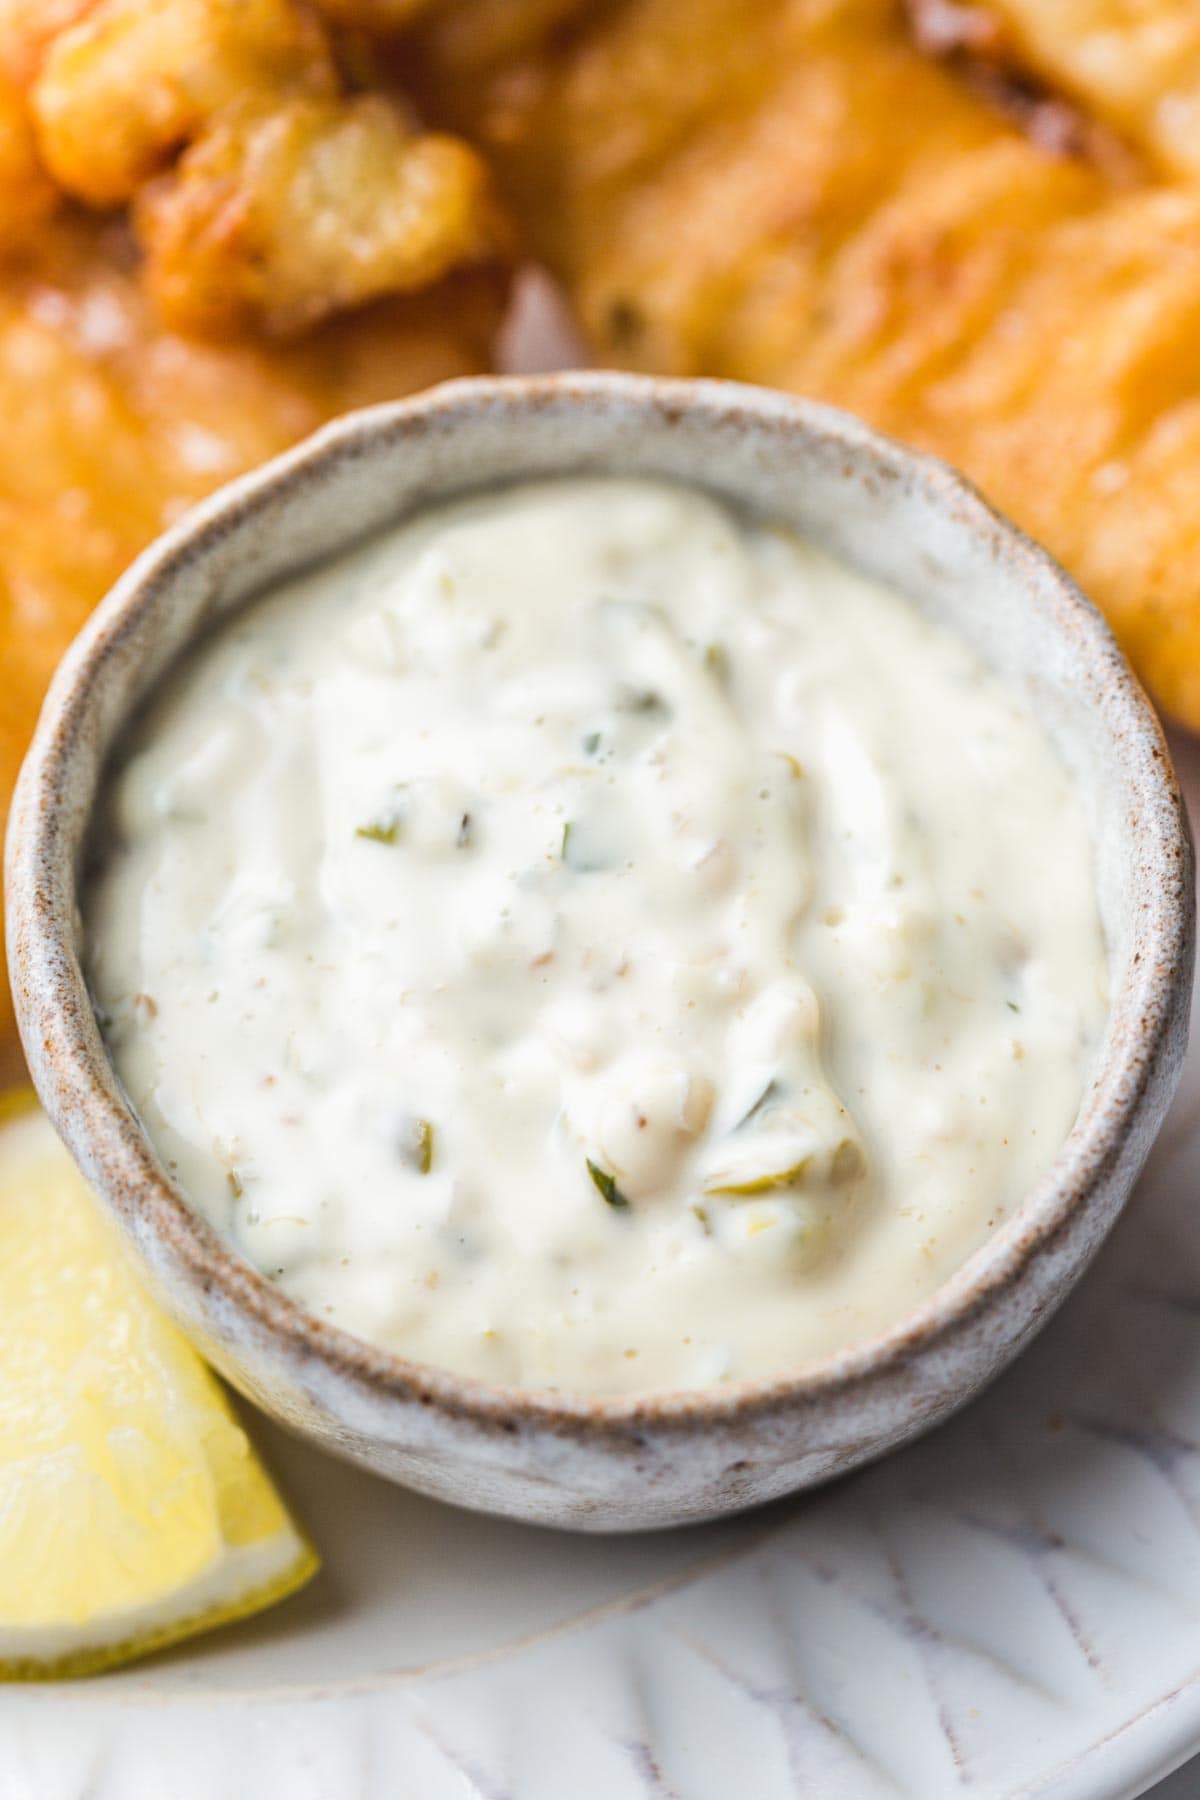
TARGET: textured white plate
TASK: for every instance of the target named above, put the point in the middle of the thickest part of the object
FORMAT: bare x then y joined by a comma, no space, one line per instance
1011,1607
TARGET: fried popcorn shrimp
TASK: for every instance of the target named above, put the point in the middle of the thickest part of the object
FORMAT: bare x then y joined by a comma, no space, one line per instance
278,219
27,193
128,85
28,28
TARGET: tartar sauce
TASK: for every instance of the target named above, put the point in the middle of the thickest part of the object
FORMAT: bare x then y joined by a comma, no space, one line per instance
585,938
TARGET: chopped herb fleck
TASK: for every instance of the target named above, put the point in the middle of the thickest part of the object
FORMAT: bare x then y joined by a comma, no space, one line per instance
466,831
384,828
591,743
1012,1006
418,1146
606,1185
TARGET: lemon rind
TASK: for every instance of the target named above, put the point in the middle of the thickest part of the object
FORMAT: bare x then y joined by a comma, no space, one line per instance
237,1584
99,1656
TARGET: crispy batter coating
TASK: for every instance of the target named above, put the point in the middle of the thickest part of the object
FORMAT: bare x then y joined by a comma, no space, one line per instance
478,37
474,34
26,192
381,17
287,199
793,194
114,426
27,29
279,218
129,84
1133,63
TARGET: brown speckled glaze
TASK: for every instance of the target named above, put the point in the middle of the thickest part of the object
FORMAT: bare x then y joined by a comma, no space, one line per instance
661,1459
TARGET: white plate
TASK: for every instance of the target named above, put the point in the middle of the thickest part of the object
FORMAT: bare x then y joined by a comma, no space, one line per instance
1010,1607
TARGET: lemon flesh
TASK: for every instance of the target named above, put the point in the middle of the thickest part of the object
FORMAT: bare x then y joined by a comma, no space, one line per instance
133,1509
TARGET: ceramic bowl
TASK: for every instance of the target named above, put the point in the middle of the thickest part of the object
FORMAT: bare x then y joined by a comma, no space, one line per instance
663,1458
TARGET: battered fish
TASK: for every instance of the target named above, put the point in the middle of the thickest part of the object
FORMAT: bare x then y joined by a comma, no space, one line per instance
792,193
1133,63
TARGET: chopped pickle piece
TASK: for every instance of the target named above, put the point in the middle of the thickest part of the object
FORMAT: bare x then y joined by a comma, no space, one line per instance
417,1145
379,831
790,1155
729,1182
606,1184
385,826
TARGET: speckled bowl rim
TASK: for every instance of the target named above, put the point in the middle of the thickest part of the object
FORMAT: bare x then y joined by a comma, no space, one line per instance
59,1014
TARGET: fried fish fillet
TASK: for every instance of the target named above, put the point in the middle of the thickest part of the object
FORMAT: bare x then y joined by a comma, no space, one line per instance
114,426
792,193
1133,63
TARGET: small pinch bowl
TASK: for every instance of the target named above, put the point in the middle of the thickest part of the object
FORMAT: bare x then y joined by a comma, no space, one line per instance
658,1459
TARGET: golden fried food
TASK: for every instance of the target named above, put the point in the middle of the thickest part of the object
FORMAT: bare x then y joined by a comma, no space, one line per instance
26,192
380,16
793,194
120,91
28,27
1133,63
475,37
476,34
114,426
279,218
289,198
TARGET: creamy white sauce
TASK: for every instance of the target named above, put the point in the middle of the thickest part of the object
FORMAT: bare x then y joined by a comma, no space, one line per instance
584,938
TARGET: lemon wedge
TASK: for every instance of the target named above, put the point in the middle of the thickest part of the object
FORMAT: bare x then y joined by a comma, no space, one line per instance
133,1509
